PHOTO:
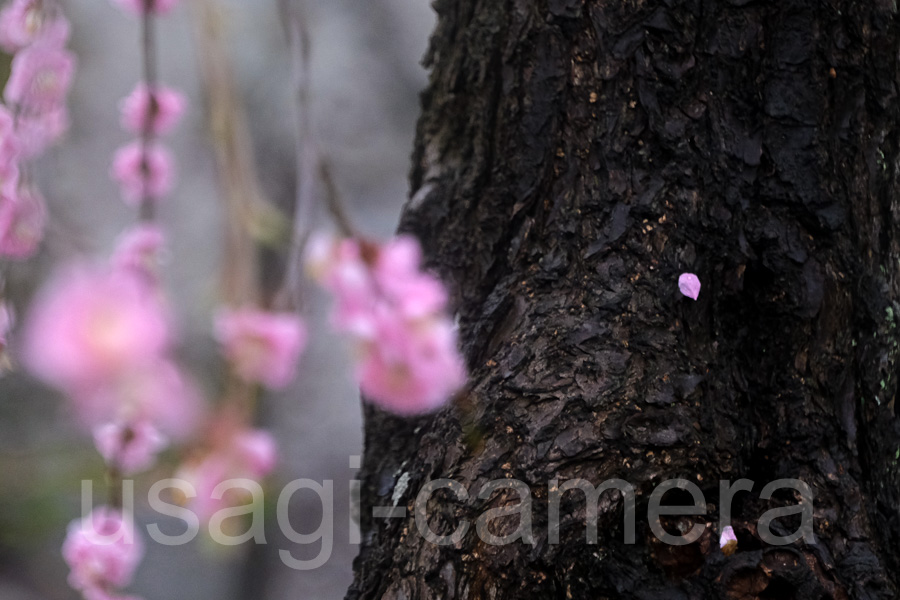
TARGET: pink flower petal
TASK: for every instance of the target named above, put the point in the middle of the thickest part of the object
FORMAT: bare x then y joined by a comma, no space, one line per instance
728,541
689,285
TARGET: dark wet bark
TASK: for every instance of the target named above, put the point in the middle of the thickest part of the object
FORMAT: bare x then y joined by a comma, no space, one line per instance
573,158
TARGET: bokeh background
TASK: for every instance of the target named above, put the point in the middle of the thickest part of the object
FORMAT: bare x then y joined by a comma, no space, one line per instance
365,79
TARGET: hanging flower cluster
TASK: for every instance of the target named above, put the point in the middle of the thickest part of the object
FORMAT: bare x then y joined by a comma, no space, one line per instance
409,362
102,332
102,335
34,116
144,168
260,348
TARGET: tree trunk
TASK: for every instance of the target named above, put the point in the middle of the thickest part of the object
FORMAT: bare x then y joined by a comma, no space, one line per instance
573,158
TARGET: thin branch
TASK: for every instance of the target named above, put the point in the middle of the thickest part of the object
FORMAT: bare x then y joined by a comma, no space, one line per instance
312,168
148,48
334,202
239,183
293,14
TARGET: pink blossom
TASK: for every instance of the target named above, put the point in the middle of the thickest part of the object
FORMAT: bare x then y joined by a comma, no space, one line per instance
689,285
140,7
23,22
137,178
40,77
20,21
89,326
262,346
102,550
204,474
397,274
409,362
161,111
38,131
130,448
339,267
350,280
155,392
256,450
9,151
22,219
236,453
410,370
139,249
393,277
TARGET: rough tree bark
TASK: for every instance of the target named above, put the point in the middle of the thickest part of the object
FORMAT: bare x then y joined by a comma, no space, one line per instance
573,158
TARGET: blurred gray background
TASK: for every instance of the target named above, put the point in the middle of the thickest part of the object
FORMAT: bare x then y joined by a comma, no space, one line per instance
365,82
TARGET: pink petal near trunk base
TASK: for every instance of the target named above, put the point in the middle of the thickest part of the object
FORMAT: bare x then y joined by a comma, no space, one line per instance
728,541
689,285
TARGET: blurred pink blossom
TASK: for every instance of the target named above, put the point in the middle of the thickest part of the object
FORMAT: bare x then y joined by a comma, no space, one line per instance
90,326
102,550
22,220
262,346
156,392
23,22
347,276
40,77
9,151
38,131
398,276
130,448
140,7
409,362
411,369
137,179
138,250
257,450
139,105
236,453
